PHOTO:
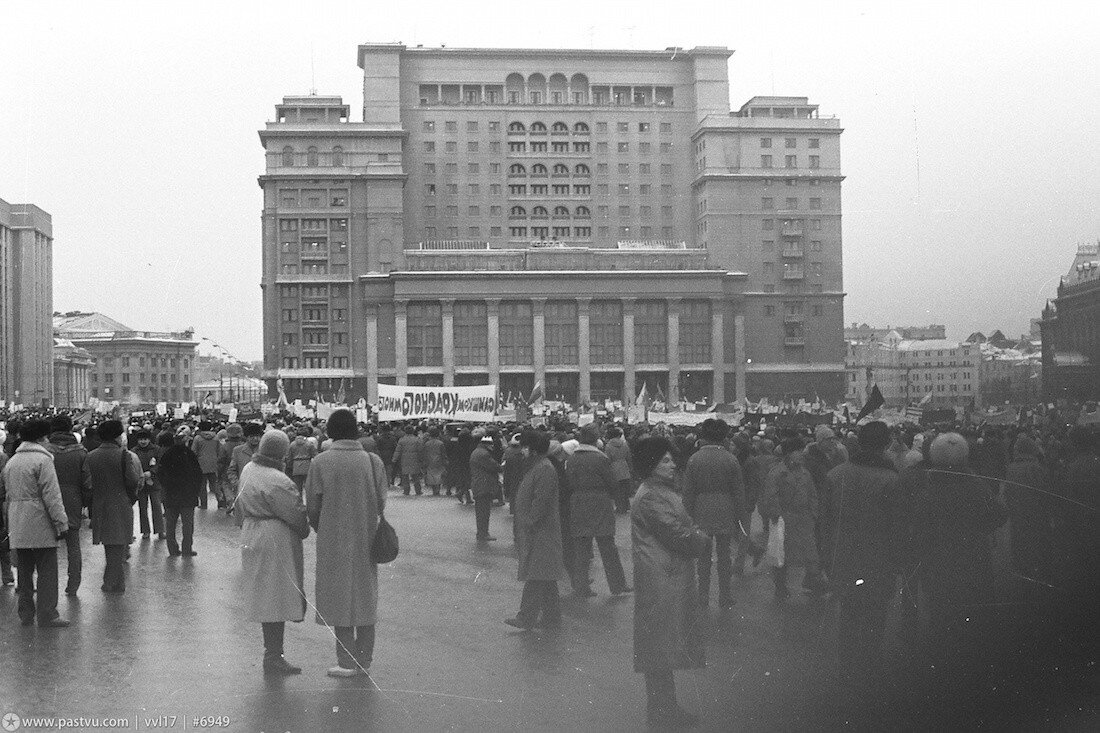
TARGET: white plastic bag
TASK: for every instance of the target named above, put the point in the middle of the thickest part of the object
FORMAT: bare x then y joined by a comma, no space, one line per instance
758,533
775,557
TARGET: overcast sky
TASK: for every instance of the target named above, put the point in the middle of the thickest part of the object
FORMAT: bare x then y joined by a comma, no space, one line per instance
970,146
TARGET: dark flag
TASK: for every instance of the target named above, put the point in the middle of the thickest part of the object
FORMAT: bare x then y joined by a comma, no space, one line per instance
875,401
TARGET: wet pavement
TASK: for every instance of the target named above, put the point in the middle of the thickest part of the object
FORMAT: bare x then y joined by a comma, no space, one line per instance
175,644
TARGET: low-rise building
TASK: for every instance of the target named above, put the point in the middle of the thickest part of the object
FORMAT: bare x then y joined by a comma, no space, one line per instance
71,369
138,367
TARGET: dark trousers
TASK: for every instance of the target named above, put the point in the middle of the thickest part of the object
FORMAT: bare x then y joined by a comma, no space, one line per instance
483,505
149,501
725,568
622,495
609,554
5,556
114,572
354,646
41,560
76,563
273,639
539,596
172,515
209,483
862,625
415,478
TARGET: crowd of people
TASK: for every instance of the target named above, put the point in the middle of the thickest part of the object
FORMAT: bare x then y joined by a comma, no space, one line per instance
861,513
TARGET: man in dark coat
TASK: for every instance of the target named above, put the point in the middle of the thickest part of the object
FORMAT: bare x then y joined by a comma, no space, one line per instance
484,485
592,514
869,522
181,479
116,476
149,490
70,463
242,454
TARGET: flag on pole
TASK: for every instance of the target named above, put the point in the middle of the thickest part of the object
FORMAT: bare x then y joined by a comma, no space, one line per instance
927,398
914,413
640,399
875,401
536,393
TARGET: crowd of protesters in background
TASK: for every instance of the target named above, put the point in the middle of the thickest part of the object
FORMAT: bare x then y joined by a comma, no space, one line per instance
860,514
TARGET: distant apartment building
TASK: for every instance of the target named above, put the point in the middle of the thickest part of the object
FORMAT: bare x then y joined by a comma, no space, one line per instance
939,372
591,220
26,304
1071,331
138,367
863,332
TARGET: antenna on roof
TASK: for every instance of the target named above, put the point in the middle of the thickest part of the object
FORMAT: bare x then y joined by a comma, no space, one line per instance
312,73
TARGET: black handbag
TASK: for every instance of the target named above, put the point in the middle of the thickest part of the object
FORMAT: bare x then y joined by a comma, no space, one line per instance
384,547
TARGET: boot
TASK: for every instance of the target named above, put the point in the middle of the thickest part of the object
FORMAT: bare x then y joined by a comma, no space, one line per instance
277,665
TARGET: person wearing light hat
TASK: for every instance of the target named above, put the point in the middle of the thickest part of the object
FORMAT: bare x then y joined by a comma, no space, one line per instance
273,524
484,485
242,454
953,524
116,477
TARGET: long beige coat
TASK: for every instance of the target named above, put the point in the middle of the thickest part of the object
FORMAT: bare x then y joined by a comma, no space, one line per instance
538,524
667,632
273,525
344,489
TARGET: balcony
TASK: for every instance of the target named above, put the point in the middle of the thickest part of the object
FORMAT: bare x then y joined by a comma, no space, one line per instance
447,244
793,250
793,318
794,340
792,274
791,228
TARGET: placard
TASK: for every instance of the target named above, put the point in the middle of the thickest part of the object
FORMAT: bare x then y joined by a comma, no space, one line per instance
472,404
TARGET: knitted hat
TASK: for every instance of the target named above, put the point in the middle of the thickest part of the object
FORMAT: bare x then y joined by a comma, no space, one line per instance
274,444
949,450
110,430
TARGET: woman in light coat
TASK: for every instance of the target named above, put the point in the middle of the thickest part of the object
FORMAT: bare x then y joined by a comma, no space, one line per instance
667,634
345,495
273,524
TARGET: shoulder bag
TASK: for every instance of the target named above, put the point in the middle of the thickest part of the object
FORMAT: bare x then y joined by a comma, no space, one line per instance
384,547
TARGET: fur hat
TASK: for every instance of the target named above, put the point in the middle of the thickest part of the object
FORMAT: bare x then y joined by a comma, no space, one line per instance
205,425
570,446
714,430
949,450
341,425
873,437
110,430
274,444
234,431
251,429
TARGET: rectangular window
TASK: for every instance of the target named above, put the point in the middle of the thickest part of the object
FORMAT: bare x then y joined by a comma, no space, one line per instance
765,161
601,147
451,126
815,143
815,161
424,331
624,169
471,333
561,332
791,161
429,126
605,332
790,142
473,189
666,169
494,126
429,146
767,203
650,332
666,127
695,332
792,203
644,148
815,203
471,126
624,147
452,147
517,333
765,142
623,127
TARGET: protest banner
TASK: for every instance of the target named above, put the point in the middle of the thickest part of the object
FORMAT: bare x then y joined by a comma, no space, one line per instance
473,404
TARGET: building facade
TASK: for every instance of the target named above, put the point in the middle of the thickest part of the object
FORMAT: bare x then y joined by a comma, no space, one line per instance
26,304
1070,330
135,367
863,332
938,372
589,220
71,369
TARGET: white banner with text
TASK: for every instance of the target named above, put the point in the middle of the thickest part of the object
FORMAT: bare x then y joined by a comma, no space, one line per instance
472,404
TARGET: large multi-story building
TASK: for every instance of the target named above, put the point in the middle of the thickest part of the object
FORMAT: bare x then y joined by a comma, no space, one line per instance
135,367
26,304
590,220
863,332
935,372
72,366
1071,331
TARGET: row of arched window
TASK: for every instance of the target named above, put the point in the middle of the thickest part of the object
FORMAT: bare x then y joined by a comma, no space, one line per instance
538,170
335,158
541,212
538,128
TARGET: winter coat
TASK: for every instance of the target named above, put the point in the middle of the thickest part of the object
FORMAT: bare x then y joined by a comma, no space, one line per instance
1081,543
180,477
667,630
116,476
484,472
954,519
34,513
299,455
71,464
618,451
714,490
148,458
869,521
512,467
538,524
345,489
434,461
591,505
408,456
756,471
206,447
789,492
369,443
387,444
1032,511
225,453
273,524
242,454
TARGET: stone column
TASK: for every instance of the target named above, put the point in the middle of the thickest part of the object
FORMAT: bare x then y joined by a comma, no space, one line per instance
448,342
628,350
372,352
673,395
493,339
538,310
401,341
718,350
584,367
739,355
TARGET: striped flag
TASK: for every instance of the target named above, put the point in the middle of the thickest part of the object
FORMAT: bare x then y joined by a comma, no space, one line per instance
914,413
